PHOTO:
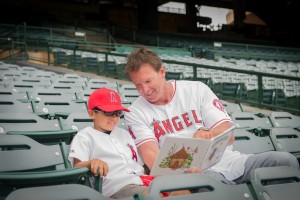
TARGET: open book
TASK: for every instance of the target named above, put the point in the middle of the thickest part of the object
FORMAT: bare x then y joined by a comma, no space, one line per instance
178,154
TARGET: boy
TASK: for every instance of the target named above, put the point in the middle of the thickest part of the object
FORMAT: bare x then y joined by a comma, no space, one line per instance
108,148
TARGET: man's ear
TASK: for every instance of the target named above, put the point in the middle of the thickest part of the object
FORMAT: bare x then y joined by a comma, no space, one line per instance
162,71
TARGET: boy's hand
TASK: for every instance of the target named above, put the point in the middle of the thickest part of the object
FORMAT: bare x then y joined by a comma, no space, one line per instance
99,167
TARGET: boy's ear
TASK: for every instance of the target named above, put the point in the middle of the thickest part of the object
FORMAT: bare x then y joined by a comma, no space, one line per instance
91,114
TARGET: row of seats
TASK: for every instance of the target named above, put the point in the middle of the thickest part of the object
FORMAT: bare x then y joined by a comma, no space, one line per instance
36,171
57,132
17,84
33,171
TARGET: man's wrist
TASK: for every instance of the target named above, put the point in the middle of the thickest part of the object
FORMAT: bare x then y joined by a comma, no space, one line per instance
203,129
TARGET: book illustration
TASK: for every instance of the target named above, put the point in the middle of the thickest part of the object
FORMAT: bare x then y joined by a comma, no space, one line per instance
182,158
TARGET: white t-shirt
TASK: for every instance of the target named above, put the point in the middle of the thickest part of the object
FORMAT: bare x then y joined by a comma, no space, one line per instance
117,149
192,106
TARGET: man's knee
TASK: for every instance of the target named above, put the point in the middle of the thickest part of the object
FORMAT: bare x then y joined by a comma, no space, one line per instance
281,158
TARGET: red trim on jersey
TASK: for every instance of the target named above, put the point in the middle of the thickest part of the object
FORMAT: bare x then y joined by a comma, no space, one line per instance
173,92
146,140
223,120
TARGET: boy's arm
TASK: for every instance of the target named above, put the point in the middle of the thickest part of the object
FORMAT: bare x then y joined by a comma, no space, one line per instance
149,151
93,165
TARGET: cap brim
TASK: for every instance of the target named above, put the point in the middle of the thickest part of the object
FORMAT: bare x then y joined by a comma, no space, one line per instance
111,108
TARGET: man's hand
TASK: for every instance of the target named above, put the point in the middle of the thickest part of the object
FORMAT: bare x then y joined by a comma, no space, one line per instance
203,133
193,170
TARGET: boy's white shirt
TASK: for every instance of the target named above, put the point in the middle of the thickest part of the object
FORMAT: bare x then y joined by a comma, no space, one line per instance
112,148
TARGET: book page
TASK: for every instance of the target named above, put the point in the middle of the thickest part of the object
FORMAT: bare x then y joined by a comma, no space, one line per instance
179,154
215,152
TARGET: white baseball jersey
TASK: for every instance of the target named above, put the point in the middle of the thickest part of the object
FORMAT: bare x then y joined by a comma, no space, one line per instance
192,106
117,149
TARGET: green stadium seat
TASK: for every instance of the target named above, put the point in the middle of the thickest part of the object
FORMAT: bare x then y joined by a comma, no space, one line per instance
249,120
27,163
78,121
174,76
213,188
284,119
58,107
57,192
286,139
12,105
232,107
276,183
43,130
249,143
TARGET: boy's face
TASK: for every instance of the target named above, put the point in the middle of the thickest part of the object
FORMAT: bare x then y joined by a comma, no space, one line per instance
103,122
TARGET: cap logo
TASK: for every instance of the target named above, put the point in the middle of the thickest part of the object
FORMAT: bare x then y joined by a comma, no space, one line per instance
113,97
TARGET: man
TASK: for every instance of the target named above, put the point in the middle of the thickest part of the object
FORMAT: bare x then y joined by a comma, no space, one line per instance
188,109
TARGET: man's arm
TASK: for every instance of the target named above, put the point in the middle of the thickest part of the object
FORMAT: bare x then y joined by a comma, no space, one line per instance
210,133
149,151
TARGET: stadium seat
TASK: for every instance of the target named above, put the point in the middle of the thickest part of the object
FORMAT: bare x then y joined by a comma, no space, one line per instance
6,94
248,120
68,82
286,139
266,183
51,95
43,130
12,105
284,119
58,107
27,163
213,188
98,83
174,75
84,94
57,192
78,121
62,192
231,107
249,143
128,93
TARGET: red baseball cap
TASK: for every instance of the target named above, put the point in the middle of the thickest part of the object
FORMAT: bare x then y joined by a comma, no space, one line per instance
106,99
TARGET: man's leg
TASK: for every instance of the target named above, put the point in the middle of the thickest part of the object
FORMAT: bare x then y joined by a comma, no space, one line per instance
217,176
267,159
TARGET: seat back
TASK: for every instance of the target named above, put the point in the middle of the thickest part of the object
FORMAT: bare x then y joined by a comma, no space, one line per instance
286,139
43,130
11,105
128,93
78,121
266,183
58,107
174,76
57,192
248,120
21,153
51,95
213,189
27,163
284,119
231,107
249,143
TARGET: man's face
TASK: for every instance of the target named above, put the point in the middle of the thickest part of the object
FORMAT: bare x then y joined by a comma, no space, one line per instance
149,83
